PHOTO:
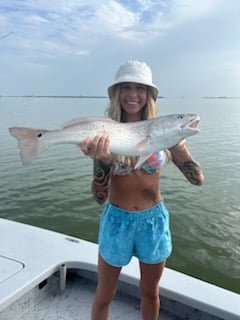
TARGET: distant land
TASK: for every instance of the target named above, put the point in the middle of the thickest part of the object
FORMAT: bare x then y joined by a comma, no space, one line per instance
223,97
105,97
51,96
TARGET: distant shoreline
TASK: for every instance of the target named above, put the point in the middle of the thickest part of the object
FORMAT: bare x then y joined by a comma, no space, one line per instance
104,97
52,96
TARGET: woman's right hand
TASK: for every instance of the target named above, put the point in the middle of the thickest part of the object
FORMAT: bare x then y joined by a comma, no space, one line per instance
97,148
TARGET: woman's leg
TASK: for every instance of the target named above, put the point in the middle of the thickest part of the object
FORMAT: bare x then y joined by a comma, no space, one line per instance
106,288
149,286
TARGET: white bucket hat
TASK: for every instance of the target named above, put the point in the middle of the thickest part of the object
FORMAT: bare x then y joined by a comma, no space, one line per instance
134,71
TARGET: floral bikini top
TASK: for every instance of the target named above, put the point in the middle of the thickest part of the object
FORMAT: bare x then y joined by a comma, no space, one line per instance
151,165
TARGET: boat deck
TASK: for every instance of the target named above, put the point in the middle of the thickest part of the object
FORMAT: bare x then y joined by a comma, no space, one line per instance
75,304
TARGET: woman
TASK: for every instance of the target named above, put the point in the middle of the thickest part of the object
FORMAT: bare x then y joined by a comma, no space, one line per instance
135,220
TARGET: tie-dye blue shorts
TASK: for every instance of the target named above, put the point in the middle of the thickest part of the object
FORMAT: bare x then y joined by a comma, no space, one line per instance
144,234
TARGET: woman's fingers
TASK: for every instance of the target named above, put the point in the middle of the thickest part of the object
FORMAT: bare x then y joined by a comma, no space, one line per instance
97,148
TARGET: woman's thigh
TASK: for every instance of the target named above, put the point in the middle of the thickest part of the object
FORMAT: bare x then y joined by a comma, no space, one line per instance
107,278
150,276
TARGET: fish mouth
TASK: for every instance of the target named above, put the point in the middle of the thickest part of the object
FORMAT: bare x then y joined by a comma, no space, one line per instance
192,124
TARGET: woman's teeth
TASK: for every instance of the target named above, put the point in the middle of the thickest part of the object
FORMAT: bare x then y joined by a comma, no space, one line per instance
132,102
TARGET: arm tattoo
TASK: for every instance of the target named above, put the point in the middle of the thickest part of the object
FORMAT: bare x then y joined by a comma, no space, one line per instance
191,169
101,181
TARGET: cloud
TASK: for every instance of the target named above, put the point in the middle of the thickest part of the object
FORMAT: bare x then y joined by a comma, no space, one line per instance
113,18
59,27
185,10
176,37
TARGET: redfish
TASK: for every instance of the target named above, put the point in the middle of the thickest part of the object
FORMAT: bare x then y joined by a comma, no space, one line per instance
141,138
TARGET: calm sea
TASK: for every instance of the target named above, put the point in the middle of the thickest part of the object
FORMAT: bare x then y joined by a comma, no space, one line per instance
54,191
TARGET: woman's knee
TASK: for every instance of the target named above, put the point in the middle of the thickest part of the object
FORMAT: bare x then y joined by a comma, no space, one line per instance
149,292
107,281
150,278
105,296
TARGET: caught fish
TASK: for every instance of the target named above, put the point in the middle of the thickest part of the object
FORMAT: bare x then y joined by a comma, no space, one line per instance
141,138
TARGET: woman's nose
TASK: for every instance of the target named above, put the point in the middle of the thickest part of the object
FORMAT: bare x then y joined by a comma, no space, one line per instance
133,92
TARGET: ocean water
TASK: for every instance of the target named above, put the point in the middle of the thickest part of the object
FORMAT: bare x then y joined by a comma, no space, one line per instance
54,191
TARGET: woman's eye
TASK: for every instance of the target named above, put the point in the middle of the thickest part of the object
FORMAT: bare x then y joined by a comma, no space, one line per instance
125,87
141,88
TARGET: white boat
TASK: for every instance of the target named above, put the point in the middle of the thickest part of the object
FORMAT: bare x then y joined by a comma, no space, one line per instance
48,275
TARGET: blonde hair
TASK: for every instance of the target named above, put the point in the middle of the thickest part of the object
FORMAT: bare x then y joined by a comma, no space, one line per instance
115,112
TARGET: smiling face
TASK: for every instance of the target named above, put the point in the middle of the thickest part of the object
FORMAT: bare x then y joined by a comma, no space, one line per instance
133,98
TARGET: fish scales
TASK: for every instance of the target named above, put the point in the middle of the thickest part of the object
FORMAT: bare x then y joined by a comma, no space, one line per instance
123,138
141,138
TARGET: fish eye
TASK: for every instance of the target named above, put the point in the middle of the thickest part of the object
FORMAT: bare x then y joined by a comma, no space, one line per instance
180,116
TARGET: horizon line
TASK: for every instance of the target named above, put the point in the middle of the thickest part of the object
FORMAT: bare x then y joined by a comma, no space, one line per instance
106,97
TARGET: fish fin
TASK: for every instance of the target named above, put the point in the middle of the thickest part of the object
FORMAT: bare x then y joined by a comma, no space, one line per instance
141,159
143,143
30,142
77,121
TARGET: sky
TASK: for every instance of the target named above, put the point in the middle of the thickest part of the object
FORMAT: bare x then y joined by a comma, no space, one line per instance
74,47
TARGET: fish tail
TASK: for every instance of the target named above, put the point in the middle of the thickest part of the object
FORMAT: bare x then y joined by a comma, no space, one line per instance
30,142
